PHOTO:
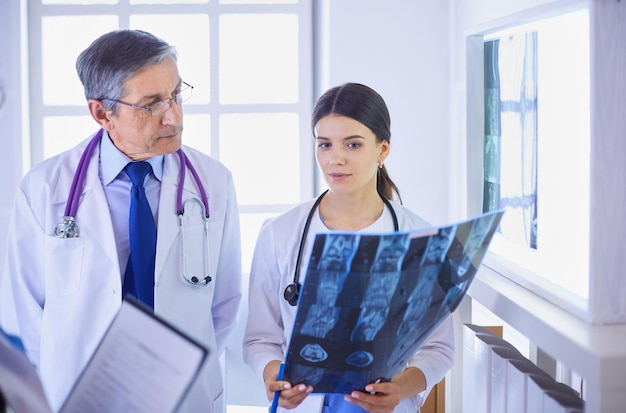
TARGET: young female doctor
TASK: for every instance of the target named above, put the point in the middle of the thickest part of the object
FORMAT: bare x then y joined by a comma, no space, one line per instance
351,126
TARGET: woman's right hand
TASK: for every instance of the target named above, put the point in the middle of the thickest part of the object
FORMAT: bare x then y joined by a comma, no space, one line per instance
290,396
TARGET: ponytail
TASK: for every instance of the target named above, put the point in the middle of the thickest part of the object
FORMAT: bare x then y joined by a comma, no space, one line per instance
385,185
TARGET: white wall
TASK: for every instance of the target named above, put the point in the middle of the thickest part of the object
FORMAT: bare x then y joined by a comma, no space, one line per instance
401,49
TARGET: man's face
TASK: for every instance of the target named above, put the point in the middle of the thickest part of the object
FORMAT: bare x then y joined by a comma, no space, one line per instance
136,132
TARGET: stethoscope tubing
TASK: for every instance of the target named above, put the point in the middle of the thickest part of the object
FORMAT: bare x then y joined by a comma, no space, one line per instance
292,291
78,181
305,231
68,228
185,163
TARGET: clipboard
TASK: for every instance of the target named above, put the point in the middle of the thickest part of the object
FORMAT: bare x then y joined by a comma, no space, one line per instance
142,364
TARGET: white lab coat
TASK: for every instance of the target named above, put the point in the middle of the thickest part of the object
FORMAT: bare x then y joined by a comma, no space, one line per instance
271,318
59,295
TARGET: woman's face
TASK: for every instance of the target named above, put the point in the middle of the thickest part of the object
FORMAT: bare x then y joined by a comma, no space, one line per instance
348,154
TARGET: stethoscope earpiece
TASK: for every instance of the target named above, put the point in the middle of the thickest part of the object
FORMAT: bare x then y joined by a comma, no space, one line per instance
292,292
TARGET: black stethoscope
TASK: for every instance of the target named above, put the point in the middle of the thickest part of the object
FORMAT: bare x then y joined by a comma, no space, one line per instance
292,291
67,228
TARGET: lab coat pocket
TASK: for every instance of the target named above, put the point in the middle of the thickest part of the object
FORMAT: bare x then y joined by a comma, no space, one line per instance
63,265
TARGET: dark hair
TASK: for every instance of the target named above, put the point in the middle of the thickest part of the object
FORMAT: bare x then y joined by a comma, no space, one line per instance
366,106
106,65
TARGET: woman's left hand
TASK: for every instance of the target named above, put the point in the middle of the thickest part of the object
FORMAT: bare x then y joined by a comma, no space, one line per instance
378,397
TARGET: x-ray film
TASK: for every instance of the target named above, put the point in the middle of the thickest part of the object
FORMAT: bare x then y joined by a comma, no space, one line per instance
369,301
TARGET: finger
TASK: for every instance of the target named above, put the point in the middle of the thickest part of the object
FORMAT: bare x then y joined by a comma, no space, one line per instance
293,397
375,403
276,386
359,402
380,387
367,400
282,386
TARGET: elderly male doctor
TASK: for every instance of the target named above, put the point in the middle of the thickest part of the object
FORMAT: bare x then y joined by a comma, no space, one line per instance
60,294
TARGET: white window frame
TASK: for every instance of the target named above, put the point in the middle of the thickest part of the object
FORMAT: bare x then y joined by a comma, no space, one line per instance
242,388
509,266
214,8
588,338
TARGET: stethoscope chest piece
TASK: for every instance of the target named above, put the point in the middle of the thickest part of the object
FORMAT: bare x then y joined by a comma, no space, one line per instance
291,294
67,228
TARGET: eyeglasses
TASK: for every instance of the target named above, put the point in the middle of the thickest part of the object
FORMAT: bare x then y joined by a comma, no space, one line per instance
162,106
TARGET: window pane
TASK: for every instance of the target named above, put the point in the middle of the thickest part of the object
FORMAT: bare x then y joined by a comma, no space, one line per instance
168,1
63,132
263,152
258,58
250,224
258,1
197,132
562,162
190,34
61,85
511,135
79,2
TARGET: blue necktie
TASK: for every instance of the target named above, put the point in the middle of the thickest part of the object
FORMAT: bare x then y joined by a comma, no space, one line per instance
334,403
139,277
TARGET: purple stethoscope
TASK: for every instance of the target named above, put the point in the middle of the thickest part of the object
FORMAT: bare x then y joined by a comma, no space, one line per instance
67,228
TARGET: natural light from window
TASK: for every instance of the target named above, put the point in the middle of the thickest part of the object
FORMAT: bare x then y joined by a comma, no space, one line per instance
561,219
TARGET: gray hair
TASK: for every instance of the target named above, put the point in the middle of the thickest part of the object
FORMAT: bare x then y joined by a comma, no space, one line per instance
113,58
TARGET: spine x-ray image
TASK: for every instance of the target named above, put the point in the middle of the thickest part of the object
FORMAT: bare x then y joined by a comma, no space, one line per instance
369,301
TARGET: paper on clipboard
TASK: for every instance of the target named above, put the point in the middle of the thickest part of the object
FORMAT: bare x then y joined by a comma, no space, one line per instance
142,364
